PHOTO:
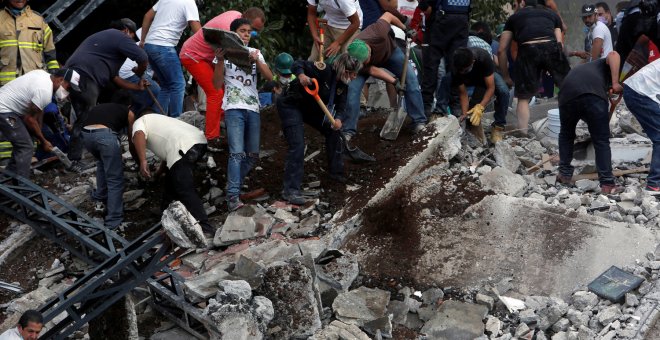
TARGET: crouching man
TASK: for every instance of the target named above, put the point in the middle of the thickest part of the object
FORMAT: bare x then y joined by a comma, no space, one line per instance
584,96
101,130
296,107
180,146
475,67
22,102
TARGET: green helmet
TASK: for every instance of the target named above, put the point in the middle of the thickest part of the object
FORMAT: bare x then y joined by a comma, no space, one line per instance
283,63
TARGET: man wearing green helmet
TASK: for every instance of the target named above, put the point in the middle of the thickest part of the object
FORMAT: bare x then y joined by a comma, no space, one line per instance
283,74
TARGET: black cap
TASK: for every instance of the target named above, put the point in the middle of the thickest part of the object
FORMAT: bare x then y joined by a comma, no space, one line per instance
588,9
71,76
131,26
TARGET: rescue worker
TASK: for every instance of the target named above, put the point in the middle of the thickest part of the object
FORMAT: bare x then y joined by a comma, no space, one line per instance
296,107
26,41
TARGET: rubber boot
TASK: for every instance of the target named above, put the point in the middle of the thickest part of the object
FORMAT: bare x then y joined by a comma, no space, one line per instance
496,134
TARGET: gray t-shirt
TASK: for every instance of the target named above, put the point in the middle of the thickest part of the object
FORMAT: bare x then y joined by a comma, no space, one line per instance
590,78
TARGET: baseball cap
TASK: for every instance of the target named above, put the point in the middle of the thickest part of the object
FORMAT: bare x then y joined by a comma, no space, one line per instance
358,49
130,24
71,76
588,9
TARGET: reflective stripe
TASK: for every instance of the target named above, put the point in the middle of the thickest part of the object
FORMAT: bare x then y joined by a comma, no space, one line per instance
53,64
5,149
8,43
48,33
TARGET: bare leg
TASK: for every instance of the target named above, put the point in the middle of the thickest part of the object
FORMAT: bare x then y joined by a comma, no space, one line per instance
522,110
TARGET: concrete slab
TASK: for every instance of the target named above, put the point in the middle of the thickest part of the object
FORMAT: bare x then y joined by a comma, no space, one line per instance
456,321
547,250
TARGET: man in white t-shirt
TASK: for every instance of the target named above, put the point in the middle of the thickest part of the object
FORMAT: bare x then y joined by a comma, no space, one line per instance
598,41
407,7
162,27
28,328
640,93
180,146
344,21
22,101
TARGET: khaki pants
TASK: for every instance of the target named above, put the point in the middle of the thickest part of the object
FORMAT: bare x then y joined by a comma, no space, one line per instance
331,34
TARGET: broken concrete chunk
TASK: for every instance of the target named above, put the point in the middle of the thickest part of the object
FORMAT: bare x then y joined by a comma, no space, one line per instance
399,310
493,325
456,320
132,195
249,270
263,309
587,185
181,227
609,314
247,222
205,285
239,288
502,180
338,330
286,216
361,305
583,300
505,156
339,271
433,296
382,325
289,286
231,318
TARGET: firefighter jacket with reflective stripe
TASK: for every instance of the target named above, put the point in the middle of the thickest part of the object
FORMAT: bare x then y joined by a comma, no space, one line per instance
26,44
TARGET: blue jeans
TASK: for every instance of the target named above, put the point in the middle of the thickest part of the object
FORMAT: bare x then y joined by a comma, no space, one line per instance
104,145
647,112
243,128
413,96
15,131
165,62
141,99
593,111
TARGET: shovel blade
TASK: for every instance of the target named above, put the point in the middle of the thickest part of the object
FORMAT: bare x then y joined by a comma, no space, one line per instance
393,124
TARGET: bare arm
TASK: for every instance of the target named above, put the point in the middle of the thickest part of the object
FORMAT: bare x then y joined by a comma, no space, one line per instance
490,90
131,146
141,68
219,70
125,84
140,144
596,47
264,70
392,20
505,40
379,73
195,26
614,61
31,120
146,24
313,28
335,47
464,100
559,36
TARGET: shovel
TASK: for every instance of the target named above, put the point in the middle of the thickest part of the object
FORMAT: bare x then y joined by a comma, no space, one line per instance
320,64
354,152
151,94
396,118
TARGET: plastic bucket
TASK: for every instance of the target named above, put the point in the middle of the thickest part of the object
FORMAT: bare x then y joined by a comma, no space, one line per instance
554,123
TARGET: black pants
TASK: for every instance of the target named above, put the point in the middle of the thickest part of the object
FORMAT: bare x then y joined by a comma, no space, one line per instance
448,32
180,184
293,118
532,60
81,102
593,110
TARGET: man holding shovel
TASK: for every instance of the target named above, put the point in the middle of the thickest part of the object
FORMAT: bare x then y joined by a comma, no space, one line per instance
296,107
376,49
584,95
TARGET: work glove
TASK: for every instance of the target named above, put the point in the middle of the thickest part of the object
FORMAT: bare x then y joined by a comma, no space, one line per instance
411,34
477,111
400,88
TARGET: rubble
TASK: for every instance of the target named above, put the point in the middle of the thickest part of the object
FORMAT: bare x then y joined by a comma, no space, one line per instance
361,306
182,228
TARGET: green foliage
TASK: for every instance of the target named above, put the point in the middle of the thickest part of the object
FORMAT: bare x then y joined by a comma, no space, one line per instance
285,29
490,11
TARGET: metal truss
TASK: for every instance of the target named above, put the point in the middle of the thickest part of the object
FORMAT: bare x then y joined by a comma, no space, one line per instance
74,10
119,265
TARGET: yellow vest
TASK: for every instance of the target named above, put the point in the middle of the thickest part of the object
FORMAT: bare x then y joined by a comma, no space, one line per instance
34,44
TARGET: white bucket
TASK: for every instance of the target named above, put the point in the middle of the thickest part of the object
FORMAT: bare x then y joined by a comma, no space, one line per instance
554,123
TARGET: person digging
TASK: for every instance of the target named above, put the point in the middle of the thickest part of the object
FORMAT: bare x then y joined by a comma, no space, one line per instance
474,67
584,96
296,107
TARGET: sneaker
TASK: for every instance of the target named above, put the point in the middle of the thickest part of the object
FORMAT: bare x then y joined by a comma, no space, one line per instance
496,134
568,180
653,191
294,198
612,189
418,127
99,206
79,166
234,203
